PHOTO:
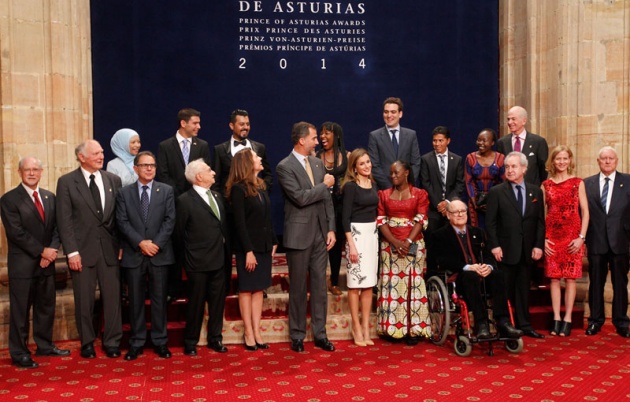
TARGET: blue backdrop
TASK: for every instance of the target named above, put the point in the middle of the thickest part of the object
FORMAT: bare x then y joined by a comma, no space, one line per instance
151,58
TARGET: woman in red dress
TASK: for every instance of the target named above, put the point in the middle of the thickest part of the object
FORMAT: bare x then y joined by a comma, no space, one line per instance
566,224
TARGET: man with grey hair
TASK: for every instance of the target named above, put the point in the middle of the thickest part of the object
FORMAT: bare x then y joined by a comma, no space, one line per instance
520,140
201,235
515,222
607,241
86,218
28,215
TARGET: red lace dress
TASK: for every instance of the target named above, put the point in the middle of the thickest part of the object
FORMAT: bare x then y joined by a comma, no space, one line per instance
563,224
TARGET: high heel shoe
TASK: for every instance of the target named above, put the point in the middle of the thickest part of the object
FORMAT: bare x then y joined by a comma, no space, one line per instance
566,329
555,329
252,348
367,340
262,345
357,341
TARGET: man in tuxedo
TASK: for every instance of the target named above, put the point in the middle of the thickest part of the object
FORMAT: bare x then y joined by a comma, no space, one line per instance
442,176
201,234
145,213
28,214
309,232
223,153
174,154
520,140
515,222
86,219
607,241
391,143
460,248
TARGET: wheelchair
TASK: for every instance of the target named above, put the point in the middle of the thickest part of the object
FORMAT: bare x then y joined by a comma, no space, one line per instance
447,310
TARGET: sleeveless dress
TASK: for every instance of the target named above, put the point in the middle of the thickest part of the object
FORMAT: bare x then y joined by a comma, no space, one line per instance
479,179
563,224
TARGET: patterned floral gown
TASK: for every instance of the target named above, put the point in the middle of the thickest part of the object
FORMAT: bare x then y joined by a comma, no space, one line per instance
562,225
402,296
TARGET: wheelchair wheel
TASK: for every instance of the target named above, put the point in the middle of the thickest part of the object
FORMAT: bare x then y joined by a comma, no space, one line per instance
462,346
438,310
514,345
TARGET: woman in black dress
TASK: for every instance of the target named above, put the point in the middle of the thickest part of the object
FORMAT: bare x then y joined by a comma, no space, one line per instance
335,158
255,241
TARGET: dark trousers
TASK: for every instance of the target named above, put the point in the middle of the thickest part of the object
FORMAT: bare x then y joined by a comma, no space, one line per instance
205,287
597,272
517,278
471,286
157,278
334,256
38,292
84,288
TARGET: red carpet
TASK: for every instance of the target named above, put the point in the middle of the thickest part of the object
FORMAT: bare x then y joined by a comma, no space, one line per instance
553,369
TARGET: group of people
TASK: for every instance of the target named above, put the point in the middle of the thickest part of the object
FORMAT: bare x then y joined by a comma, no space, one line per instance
398,215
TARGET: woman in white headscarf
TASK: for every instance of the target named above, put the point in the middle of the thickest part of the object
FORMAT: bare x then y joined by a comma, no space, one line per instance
125,144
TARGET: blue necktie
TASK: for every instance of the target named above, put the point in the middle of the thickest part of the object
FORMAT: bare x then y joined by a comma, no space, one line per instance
185,151
519,198
394,142
144,203
604,198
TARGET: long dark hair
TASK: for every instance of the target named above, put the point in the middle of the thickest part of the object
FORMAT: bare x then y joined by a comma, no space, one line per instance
338,144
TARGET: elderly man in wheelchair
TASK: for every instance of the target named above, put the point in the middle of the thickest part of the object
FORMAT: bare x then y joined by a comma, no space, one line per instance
461,249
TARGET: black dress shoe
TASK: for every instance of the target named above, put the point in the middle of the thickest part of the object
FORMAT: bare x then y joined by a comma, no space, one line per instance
251,348
217,346
409,340
190,350
482,331
592,329
134,352
162,351
533,334
262,345
324,344
508,331
297,345
111,352
87,351
25,362
55,351
624,332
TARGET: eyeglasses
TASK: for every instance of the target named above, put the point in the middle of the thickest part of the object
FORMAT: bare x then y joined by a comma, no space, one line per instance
146,165
31,171
458,213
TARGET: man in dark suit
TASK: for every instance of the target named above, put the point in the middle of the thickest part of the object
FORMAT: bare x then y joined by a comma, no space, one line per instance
533,146
515,222
309,232
223,153
28,214
442,176
460,248
145,213
86,218
173,155
607,241
392,142
201,234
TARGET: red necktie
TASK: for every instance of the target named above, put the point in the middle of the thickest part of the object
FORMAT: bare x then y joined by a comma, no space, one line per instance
38,205
517,144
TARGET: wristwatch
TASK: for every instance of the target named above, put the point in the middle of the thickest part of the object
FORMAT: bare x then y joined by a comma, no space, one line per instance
581,236
409,240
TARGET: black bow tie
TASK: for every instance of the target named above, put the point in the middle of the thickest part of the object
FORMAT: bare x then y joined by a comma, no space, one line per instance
243,143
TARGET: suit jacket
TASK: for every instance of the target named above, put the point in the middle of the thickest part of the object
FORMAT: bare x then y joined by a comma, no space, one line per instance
80,227
223,160
27,234
170,162
612,229
432,183
307,208
158,227
382,155
199,234
448,251
509,229
252,220
536,149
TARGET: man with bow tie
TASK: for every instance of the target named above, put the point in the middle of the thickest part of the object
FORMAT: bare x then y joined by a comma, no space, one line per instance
515,222
28,214
223,153
461,249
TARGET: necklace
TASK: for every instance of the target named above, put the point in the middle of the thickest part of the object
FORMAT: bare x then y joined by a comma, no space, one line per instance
401,192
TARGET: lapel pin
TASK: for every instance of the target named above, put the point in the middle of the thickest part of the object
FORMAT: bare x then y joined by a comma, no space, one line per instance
530,194
621,185
157,189
110,190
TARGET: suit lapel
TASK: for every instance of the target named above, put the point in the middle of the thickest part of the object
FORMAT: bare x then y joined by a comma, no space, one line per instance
227,148
176,150
529,198
302,176
84,190
206,207
194,150
389,145
509,193
450,170
618,191
48,207
30,204
110,201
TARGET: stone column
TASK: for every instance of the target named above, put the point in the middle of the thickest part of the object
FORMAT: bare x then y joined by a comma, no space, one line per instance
46,108
568,63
